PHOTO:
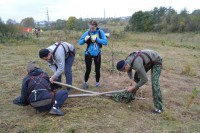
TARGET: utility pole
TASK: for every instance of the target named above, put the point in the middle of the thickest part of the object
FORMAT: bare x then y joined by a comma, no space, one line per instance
47,19
104,14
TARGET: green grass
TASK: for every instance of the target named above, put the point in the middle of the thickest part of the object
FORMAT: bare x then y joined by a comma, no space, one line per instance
100,114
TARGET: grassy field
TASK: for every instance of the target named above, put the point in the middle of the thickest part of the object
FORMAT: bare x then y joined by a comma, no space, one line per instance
180,85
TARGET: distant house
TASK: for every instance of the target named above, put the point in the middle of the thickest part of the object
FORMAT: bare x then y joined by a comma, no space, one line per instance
106,31
26,29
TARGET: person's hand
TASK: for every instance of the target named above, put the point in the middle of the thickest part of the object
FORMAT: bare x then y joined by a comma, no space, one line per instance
94,38
86,38
51,80
130,89
133,83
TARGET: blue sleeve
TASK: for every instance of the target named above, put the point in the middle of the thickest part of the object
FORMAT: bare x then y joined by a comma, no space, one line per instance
24,92
103,40
81,41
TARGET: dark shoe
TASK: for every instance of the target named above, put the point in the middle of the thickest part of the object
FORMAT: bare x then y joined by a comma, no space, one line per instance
56,111
157,111
85,86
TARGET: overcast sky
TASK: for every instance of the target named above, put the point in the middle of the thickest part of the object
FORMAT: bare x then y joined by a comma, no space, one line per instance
63,9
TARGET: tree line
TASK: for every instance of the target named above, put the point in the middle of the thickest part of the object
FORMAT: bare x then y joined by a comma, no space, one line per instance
160,19
164,20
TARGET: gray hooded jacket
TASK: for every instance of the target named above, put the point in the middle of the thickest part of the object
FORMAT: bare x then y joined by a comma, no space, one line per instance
57,64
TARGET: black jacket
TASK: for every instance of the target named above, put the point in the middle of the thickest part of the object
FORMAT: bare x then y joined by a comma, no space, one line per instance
27,87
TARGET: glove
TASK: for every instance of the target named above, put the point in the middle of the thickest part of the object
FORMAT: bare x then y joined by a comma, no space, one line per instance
94,38
86,38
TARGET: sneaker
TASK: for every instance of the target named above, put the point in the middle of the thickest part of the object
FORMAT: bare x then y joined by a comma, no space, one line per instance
157,111
97,84
85,86
56,111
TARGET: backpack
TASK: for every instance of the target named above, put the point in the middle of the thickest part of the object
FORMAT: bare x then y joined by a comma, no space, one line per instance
39,90
147,66
67,53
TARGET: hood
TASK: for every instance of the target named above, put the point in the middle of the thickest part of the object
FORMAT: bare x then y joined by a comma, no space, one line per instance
36,71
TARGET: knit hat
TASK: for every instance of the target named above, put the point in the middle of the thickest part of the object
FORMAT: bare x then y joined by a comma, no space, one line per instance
30,66
121,65
43,53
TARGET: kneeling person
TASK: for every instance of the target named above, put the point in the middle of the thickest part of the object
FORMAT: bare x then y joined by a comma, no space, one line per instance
37,91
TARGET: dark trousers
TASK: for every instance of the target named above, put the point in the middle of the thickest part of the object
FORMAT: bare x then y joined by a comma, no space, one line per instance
60,98
88,63
68,69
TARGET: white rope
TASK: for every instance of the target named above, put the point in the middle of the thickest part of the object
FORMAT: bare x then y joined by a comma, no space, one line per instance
99,94
92,93
70,86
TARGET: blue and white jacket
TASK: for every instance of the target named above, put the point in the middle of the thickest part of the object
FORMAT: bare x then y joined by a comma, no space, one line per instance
94,47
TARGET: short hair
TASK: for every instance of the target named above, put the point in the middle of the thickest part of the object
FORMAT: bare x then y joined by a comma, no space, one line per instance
30,65
93,22
43,53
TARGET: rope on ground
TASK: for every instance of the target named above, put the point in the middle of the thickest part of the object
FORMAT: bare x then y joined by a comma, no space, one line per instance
99,94
92,93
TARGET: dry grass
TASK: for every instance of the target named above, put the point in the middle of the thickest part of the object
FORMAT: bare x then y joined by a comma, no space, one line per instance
100,114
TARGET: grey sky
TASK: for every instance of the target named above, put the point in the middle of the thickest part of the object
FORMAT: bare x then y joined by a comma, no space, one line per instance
63,9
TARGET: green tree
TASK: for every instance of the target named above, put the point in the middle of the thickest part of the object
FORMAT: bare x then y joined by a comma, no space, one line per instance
169,21
4,29
28,22
157,14
58,25
183,20
81,25
193,23
141,21
71,23
196,12
12,27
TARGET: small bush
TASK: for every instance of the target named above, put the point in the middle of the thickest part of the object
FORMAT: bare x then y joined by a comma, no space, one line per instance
188,71
194,95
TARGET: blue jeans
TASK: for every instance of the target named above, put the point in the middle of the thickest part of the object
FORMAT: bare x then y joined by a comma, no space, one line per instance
68,69
60,98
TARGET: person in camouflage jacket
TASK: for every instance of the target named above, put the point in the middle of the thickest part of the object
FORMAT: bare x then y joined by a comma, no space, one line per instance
142,61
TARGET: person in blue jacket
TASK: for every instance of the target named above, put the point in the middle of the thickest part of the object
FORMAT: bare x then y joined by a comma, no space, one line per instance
37,91
94,37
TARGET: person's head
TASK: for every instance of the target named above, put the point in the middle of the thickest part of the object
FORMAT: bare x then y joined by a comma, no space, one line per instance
45,54
93,25
30,66
123,66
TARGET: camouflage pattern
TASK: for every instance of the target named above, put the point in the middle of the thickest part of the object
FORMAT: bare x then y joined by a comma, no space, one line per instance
124,96
157,97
